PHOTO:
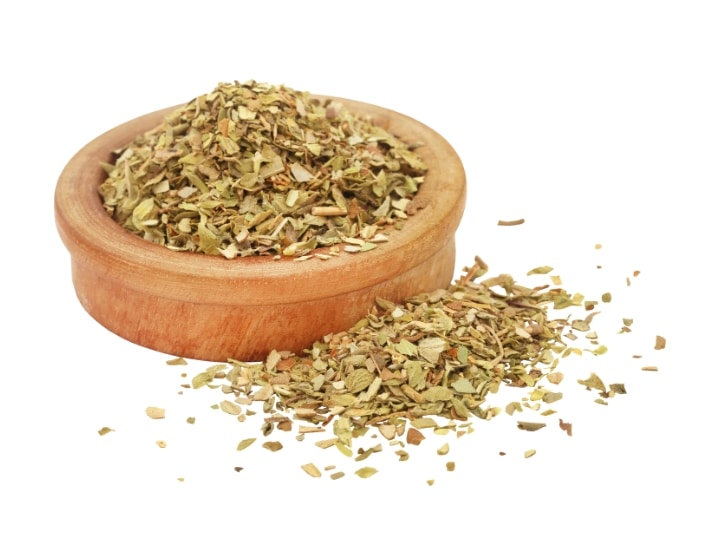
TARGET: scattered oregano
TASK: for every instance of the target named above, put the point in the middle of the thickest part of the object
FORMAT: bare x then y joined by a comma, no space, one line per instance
437,354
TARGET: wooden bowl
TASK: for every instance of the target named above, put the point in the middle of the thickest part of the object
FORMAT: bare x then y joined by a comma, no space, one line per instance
207,307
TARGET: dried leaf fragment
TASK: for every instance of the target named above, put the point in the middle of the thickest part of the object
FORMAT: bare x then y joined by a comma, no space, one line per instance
176,362
245,443
659,343
230,408
104,431
593,381
540,270
366,472
566,427
529,453
311,470
551,397
414,436
273,446
530,426
155,413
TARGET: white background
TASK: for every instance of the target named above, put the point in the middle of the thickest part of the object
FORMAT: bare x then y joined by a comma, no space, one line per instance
597,122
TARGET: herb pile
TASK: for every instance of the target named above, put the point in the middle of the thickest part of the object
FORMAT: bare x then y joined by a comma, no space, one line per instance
423,365
255,169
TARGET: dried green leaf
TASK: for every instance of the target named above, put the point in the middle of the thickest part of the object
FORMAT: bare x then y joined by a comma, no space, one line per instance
423,423
530,426
406,348
201,379
366,472
593,381
431,348
551,397
311,470
540,270
273,446
437,393
176,362
463,386
104,431
245,443
358,380
230,408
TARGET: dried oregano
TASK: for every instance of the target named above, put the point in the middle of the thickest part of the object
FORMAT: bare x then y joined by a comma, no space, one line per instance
434,355
256,169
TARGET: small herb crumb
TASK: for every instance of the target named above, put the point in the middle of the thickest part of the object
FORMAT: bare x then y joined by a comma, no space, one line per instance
273,446
176,362
529,453
566,427
450,466
366,472
659,343
155,413
104,431
511,222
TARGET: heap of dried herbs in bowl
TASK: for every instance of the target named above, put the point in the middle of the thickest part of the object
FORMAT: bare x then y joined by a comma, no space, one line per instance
301,202
255,169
